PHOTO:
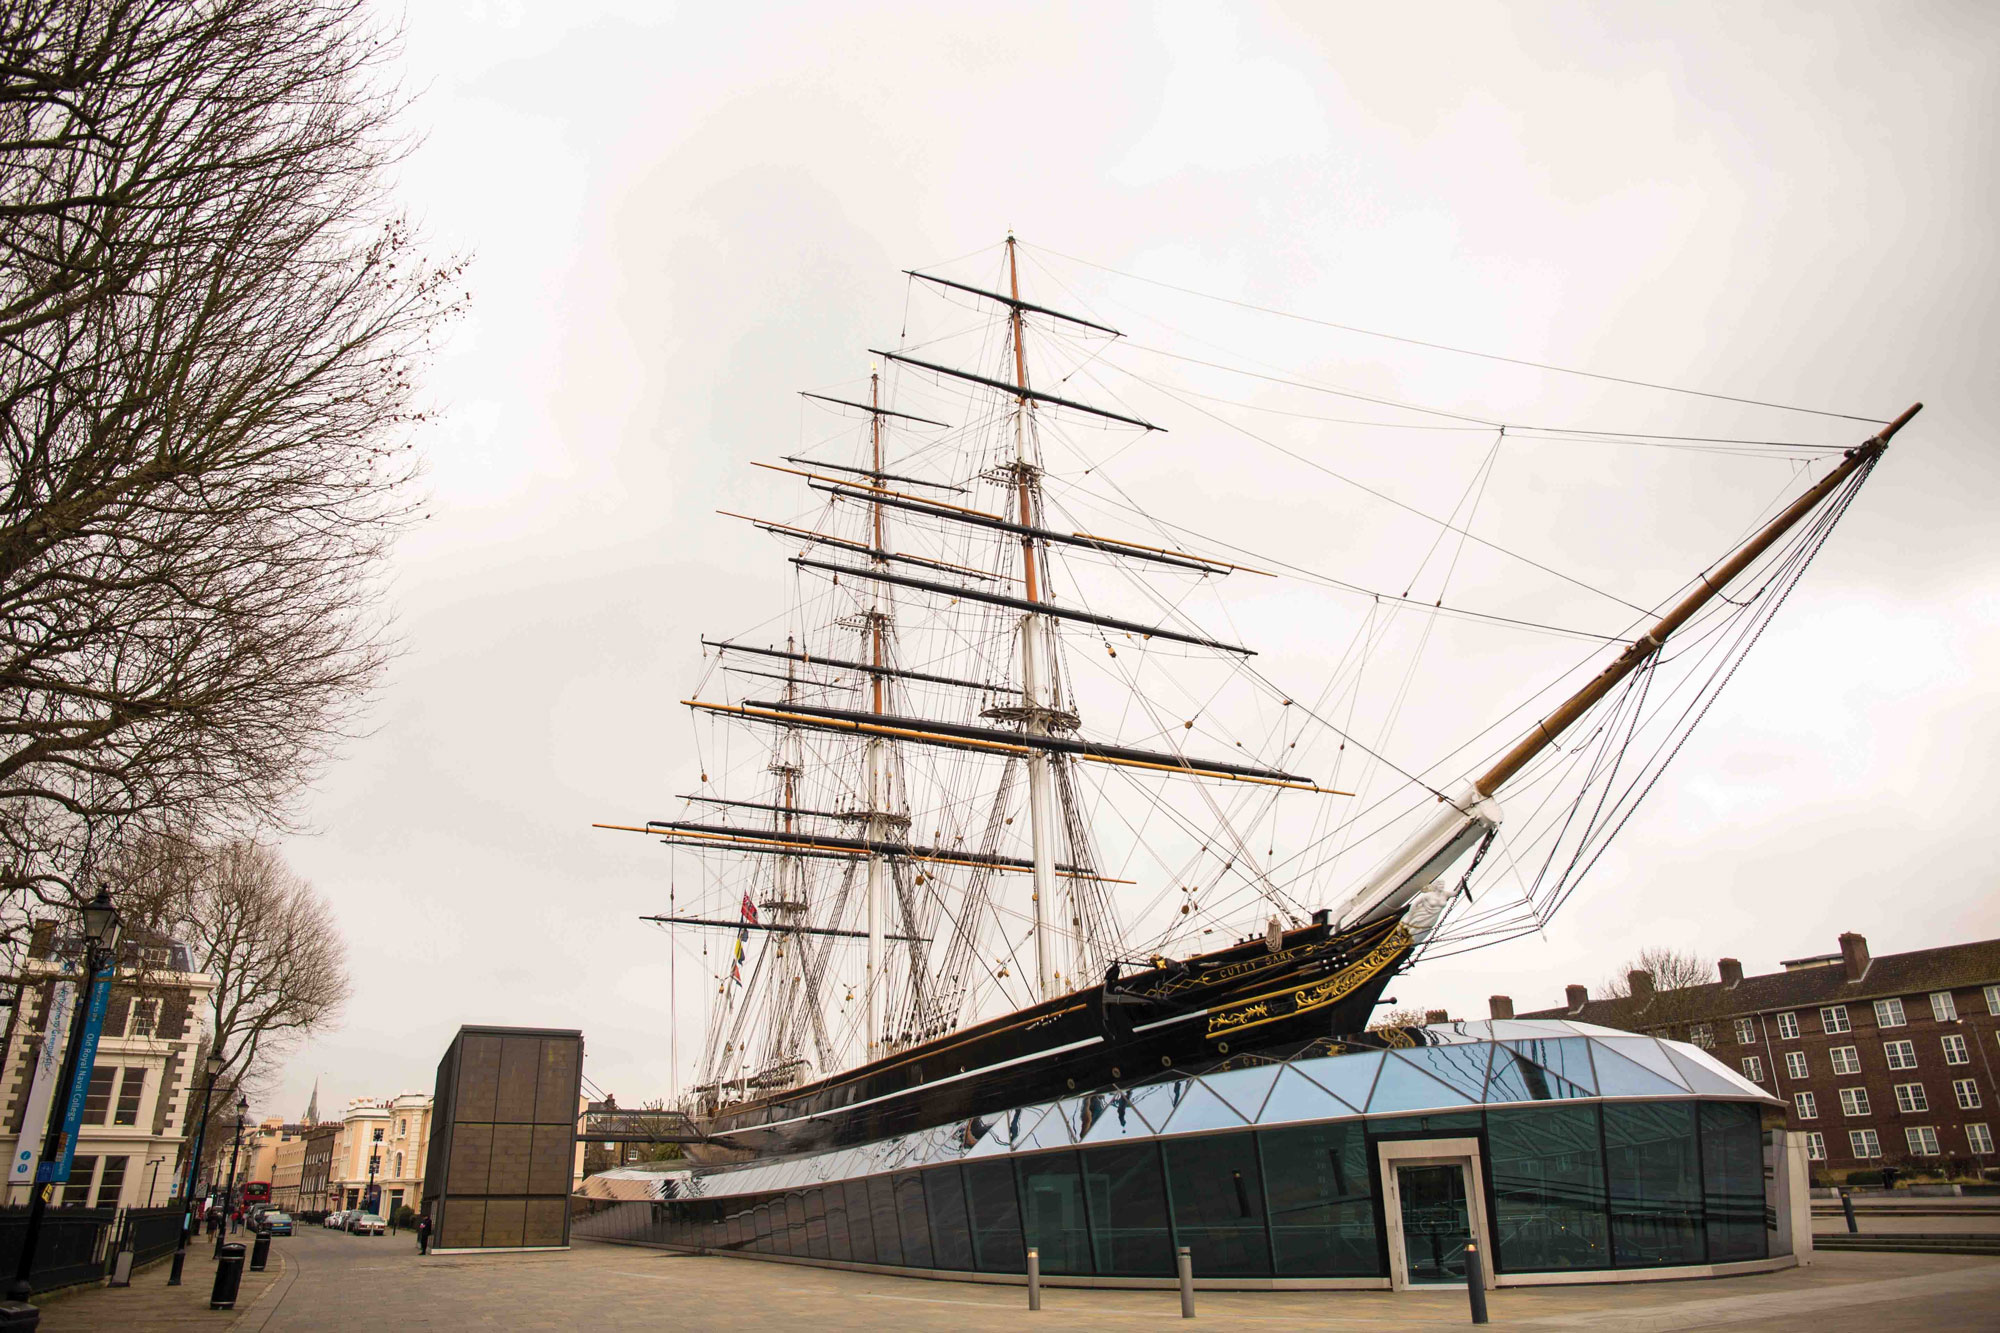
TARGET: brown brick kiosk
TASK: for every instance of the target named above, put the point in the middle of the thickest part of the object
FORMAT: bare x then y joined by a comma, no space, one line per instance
504,1139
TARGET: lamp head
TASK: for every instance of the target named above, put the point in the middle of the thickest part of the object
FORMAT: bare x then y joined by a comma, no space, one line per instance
100,921
213,1065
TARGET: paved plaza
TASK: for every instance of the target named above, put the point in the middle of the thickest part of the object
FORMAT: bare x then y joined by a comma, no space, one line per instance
327,1281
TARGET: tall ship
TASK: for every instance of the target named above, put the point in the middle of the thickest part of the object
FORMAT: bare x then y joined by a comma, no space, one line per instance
996,810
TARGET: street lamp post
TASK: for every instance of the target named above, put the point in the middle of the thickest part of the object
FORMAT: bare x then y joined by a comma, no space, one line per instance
229,1190
374,1165
212,1067
101,931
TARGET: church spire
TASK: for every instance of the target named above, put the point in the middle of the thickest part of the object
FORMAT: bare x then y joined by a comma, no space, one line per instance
312,1105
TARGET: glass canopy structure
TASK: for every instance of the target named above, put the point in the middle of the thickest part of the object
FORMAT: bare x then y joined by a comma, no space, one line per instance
1582,1149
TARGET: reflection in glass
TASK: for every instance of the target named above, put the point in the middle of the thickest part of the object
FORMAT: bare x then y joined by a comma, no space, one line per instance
1052,1217
1437,1224
1128,1210
951,1228
882,1212
816,1223
860,1222
1321,1201
1219,1203
1547,1172
996,1216
1655,1179
916,1231
1732,1171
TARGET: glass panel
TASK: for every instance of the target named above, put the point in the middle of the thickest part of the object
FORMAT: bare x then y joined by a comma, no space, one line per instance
1517,1077
1112,1117
1460,1068
1547,1169
860,1222
1348,1077
1567,1058
882,1212
1155,1102
1446,1123
1732,1174
1218,1203
816,1223
916,1227
951,1228
795,1221
1322,1203
1296,1097
1705,1077
837,1243
1655,1183
1049,1132
1201,1109
1245,1089
1404,1087
1437,1224
1128,1210
1645,1052
996,1217
1620,1077
1052,1216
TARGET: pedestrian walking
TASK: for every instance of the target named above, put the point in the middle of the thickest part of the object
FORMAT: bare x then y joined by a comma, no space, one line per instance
424,1234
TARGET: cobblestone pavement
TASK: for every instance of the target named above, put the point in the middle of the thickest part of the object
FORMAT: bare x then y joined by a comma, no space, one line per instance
332,1281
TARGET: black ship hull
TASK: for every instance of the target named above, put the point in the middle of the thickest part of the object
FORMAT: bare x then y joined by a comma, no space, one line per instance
1238,1001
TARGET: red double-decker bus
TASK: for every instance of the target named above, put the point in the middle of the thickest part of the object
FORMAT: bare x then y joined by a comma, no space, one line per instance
256,1192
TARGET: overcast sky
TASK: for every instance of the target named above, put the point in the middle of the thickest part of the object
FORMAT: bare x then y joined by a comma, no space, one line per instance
678,217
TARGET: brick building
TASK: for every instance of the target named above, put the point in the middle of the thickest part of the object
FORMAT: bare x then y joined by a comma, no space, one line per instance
148,1059
1881,1061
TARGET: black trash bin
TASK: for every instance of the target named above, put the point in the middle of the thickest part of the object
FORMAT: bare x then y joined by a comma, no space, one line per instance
260,1252
18,1314
228,1277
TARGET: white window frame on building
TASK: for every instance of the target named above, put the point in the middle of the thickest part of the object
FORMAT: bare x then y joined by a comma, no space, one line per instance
1846,1059
1788,1026
1979,1137
1954,1049
1911,1099
1900,1054
1808,1105
1795,1065
1833,1019
1815,1146
1746,1032
1966,1090
1923,1140
144,1019
1753,1069
1864,1143
1993,1001
1702,1035
1943,1007
1889,1013
1854,1102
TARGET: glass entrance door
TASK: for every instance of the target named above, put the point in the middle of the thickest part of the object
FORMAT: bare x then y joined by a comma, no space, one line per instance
1436,1225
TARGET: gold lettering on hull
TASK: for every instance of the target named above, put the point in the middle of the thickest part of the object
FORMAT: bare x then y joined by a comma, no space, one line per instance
1271,1008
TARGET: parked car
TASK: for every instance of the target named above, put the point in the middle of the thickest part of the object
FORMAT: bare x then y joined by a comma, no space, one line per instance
276,1223
334,1220
365,1224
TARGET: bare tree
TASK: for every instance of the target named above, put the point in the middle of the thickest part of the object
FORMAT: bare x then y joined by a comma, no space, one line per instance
1672,969
1400,1018
209,326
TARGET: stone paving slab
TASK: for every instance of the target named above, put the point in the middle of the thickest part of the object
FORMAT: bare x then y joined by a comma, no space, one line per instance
149,1303
332,1281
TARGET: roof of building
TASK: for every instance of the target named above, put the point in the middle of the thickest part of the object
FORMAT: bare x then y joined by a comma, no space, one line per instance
1465,1066
1817,982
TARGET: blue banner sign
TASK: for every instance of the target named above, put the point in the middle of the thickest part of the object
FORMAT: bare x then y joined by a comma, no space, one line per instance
57,1170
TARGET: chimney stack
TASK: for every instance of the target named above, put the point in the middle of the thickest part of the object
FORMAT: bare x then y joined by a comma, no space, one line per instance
1578,997
1854,954
1500,1006
1732,972
1641,982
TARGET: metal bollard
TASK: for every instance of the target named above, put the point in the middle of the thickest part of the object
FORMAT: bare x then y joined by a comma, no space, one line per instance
260,1251
1475,1282
228,1278
1184,1265
1034,1279
1847,1207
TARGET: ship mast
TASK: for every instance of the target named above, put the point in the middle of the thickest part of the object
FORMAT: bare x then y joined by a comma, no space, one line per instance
1037,675
877,805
